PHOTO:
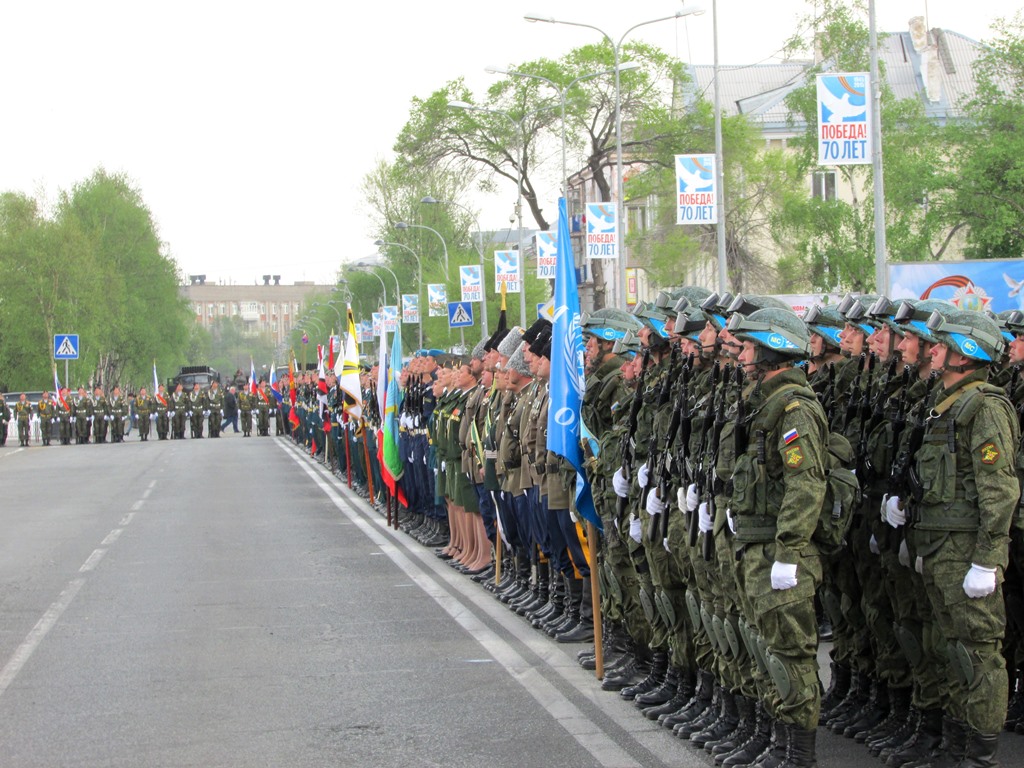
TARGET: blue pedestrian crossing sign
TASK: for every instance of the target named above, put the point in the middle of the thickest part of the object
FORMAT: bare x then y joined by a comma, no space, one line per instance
460,314
65,346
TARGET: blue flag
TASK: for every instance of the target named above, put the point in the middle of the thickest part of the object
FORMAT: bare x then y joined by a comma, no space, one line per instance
567,372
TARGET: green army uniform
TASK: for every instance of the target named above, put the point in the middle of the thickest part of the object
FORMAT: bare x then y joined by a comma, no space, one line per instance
245,411
144,412
215,407
197,412
119,411
101,418
5,418
64,417
177,413
81,412
778,491
968,494
47,418
262,401
162,404
509,470
23,415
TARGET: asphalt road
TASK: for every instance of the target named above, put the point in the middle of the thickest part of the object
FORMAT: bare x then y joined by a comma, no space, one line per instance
229,603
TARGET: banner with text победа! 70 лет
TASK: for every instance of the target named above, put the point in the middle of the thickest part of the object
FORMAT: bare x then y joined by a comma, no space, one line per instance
472,285
602,231
506,270
547,255
410,308
844,119
695,184
437,300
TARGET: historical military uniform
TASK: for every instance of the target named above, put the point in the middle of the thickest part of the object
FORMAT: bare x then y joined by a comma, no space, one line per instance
197,411
64,416
162,405
23,415
215,408
101,417
145,412
177,413
120,411
245,410
82,413
47,417
262,400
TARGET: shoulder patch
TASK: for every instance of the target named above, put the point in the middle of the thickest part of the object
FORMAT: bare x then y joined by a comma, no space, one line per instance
794,457
989,453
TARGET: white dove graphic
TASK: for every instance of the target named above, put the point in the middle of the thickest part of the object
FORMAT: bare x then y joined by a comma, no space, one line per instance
840,106
693,182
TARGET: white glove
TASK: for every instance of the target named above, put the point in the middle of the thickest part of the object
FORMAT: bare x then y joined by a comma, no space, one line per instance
572,516
53,420
895,516
904,555
273,411
90,419
704,517
881,509
655,506
664,543
620,485
108,418
692,498
919,564
643,475
188,414
442,466
783,575
873,545
730,520
634,528
206,413
980,581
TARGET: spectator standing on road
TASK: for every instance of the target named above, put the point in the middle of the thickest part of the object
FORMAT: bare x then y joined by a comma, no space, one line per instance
231,409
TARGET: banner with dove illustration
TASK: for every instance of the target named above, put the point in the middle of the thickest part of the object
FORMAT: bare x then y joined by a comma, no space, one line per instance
547,255
437,300
602,231
695,183
506,270
844,119
979,284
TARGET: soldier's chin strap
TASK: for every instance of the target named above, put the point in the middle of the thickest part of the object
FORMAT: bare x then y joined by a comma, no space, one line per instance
969,367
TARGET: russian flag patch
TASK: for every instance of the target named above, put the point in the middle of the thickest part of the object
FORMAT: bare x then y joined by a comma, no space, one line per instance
790,436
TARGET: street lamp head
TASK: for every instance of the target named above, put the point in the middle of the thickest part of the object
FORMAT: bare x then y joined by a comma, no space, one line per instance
460,105
401,225
428,200
497,71
628,66
379,243
690,10
533,17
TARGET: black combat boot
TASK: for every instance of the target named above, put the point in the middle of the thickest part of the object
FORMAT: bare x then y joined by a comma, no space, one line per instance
633,668
662,694
801,751
710,714
952,747
570,613
703,692
778,747
883,746
724,725
659,668
838,687
582,630
899,710
744,729
555,606
981,750
758,741
1015,708
855,699
874,711
922,742
685,682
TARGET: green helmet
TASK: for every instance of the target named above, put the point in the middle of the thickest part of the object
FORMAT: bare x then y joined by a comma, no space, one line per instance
627,346
714,308
1010,322
609,324
826,322
694,294
856,311
912,316
690,322
778,333
972,334
749,303
653,316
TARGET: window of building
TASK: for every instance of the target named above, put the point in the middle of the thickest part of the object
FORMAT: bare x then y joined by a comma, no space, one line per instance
823,185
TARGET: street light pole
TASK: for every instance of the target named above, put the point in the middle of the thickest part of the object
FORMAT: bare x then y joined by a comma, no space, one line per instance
419,266
623,229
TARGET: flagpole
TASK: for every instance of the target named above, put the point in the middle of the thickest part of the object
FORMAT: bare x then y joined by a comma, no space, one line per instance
595,598
369,468
348,459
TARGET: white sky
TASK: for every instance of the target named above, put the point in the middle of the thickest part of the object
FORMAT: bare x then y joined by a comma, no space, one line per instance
249,126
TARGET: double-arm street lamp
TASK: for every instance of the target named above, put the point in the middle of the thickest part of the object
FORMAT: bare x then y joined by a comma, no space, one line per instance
621,196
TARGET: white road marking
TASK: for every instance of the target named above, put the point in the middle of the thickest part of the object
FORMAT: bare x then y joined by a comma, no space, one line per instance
605,751
28,646
138,505
113,536
16,450
127,519
92,560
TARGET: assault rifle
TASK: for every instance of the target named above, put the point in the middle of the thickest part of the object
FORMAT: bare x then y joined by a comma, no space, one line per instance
664,393
853,396
679,431
706,428
707,547
900,480
622,504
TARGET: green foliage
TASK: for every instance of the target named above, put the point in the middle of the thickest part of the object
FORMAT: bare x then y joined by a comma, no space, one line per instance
96,268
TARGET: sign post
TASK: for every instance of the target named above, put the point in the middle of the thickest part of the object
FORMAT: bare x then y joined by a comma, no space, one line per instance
65,347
